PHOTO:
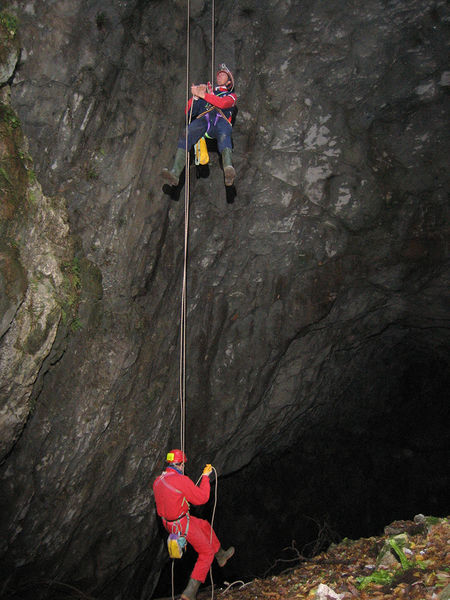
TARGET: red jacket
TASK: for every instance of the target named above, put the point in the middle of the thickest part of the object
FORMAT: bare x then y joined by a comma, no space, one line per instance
174,492
220,98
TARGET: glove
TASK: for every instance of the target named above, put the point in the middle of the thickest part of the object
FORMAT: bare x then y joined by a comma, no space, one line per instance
198,90
207,470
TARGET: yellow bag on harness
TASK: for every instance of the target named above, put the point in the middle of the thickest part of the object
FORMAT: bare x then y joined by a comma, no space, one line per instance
176,544
201,152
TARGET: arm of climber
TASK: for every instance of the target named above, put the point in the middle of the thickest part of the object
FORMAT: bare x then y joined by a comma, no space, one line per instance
195,494
221,101
188,106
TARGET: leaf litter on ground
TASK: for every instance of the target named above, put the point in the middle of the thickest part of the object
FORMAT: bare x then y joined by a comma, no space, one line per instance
419,569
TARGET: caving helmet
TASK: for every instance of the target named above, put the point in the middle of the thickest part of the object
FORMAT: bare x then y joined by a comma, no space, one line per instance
224,69
176,456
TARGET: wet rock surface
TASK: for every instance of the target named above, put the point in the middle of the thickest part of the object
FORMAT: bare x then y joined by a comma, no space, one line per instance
317,291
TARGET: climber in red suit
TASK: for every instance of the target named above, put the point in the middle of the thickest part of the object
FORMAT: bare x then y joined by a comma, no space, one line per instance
174,492
212,111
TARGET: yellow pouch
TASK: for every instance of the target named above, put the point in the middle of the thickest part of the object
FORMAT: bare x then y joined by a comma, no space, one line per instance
201,152
176,545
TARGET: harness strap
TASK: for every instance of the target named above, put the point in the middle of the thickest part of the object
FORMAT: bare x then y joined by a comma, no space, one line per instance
161,479
171,487
177,519
176,524
214,108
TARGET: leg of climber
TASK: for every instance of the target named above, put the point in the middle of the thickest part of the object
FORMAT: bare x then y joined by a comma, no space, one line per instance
196,130
204,541
172,176
228,169
223,556
190,592
224,146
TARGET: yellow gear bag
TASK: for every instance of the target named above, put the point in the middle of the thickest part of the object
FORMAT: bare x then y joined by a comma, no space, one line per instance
201,152
176,544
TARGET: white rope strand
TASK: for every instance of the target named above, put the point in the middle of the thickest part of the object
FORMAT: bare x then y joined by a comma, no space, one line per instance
213,42
188,115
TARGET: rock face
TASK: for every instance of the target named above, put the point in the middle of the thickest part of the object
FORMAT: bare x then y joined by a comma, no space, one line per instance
34,246
317,290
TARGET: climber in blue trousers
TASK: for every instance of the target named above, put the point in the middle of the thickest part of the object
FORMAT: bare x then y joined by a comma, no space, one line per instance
212,112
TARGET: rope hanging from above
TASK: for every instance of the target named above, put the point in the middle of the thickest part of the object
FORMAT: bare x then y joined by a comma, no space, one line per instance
183,320
183,324
182,367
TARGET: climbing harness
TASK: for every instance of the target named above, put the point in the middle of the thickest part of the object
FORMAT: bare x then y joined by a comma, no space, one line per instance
208,110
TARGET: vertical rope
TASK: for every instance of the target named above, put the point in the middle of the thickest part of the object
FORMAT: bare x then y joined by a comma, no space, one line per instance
182,391
173,579
182,368
213,60
188,116
213,42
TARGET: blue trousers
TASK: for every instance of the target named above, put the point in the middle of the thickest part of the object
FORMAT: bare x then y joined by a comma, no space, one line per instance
214,125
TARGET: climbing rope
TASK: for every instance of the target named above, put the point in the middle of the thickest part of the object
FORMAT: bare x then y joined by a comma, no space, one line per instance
188,118
210,537
212,40
182,391
212,526
183,320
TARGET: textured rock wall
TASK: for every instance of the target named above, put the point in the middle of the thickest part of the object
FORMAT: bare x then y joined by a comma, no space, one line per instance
35,250
327,265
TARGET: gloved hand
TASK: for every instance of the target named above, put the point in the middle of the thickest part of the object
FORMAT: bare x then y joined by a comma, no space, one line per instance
198,90
207,470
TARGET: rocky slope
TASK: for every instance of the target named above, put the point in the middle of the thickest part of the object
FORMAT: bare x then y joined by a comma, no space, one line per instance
318,288
409,561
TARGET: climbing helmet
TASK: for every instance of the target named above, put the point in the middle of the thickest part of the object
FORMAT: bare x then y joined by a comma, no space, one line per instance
176,456
224,69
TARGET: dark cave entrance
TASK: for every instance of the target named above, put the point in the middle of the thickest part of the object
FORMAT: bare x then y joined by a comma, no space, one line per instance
386,460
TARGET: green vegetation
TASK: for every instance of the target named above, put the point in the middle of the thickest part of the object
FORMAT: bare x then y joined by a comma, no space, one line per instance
9,24
13,164
100,20
4,175
406,564
379,578
9,117
386,577
91,173
70,296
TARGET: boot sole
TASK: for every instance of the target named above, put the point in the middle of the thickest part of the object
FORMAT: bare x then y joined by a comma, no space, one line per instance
169,177
223,563
229,174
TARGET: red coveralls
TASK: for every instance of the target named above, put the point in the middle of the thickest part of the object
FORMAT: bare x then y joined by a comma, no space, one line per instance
173,491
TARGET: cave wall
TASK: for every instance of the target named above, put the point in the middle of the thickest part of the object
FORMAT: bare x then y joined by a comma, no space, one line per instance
332,252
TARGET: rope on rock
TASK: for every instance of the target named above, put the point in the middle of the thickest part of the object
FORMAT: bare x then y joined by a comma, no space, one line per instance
183,319
213,42
182,368
183,323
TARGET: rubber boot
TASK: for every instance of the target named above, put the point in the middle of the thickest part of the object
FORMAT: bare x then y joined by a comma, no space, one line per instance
173,175
190,593
223,556
228,169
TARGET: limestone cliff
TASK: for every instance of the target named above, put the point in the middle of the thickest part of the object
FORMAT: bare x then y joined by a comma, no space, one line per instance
317,289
